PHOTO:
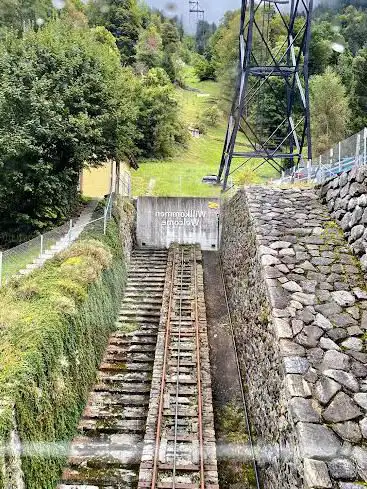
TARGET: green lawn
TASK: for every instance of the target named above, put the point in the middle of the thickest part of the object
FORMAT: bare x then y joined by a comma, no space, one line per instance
19,257
181,175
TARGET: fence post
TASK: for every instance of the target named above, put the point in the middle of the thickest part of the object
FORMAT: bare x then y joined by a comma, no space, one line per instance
105,220
358,149
331,160
340,156
70,228
110,208
41,250
365,145
1,269
308,170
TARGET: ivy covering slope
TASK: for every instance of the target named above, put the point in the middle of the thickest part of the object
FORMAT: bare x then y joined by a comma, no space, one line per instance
54,328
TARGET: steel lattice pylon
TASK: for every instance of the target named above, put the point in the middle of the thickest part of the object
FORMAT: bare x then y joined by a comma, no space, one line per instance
195,9
281,70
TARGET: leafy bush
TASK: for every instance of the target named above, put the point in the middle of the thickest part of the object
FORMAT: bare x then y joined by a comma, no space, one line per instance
247,176
55,325
201,126
204,69
157,121
211,116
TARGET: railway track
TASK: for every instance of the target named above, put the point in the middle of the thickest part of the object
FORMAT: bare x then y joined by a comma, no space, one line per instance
149,422
179,446
107,451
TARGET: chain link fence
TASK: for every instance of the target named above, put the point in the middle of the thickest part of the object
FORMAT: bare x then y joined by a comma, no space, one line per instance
343,156
33,253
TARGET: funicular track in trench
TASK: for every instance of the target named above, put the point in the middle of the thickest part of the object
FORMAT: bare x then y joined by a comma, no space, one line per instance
149,422
179,447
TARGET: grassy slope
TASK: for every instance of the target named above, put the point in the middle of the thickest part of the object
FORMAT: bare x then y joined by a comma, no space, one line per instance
55,325
182,174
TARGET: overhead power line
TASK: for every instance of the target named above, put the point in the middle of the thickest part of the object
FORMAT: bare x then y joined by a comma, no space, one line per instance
194,8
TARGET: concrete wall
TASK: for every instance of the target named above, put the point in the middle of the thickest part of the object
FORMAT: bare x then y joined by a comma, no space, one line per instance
96,182
185,220
300,317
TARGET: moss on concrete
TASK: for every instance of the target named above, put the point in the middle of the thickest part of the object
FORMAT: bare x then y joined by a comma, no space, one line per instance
234,470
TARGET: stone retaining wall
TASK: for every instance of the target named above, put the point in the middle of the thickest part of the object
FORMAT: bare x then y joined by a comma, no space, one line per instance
346,199
300,316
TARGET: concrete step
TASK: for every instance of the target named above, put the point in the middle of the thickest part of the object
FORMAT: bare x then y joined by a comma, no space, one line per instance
90,426
118,404
113,477
134,298
145,307
139,319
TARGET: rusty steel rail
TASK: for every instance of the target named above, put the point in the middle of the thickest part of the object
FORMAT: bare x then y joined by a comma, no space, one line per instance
163,382
178,371
200,396
179,445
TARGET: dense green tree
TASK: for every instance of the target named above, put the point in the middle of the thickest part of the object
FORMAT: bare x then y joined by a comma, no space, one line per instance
224,45
321,46
268,111
204,69
59,108
204,31
173,51
170,37
22,14
149,48
354,27
359,91
344,68
123,19
329,110
178,22
157,120
172,65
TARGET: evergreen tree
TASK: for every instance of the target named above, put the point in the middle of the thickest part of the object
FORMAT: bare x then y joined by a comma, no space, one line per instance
170,37
204,31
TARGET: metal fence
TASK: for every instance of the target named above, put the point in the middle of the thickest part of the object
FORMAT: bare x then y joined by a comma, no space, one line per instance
343,156
35,252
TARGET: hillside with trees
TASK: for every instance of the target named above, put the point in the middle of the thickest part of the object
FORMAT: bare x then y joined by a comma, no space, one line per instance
82,82
338,62
79,84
